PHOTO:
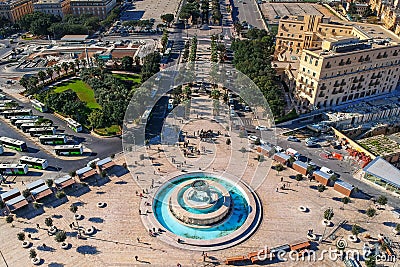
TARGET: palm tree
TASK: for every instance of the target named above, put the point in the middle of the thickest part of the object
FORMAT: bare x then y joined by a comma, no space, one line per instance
42,75
50,72
73,208
84,62
77,63
72,66
57,69
65,67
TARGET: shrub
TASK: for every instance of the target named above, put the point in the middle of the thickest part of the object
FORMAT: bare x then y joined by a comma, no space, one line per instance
279,167
260,158
112,156
21,236
345,200
299,177
36,205
26,193
103,174
382,200
333,178
93,165
9,219
141,157
355,229
397,228
73,173
60,236
60,194
371,212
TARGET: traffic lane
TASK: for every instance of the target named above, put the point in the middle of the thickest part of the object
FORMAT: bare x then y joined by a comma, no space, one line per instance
344,169
247,11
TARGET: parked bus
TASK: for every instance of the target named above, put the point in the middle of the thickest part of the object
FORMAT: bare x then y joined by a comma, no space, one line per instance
13,169
13,143
7,108
17,112
4,102
36,132
13,119
76,126
67,150
35,163
53,139
1,151
26,126
20,122
39,105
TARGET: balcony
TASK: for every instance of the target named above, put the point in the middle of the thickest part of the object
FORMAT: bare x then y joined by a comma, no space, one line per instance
355,80
341,63
336,84
395,53
321,94
343,83
362,79
322,88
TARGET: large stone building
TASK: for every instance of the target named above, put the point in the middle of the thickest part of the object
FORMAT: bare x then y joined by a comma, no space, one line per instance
388,11
336,63
13,10
99,8
55,7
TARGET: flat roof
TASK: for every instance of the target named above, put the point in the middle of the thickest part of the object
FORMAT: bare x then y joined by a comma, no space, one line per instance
283,155
344,184
10,193
39,189
74,37
323,174
35,184
266,147
383,170
62,179
83,170
301,164
15,200
103,161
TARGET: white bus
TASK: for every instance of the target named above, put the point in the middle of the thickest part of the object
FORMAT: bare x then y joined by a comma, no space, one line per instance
13,169
13,143
36,132
35,163
76,126
53,139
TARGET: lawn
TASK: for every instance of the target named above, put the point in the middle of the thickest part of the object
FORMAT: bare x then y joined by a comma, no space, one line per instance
112,130
128,77
84,92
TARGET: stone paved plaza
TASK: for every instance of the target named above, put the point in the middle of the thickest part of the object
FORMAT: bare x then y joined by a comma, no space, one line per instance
120,234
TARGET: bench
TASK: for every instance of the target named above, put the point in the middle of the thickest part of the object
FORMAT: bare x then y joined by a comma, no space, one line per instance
300,246
232,260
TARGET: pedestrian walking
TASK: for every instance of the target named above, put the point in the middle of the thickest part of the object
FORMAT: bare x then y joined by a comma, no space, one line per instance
281,179
136,258
277,189
37,226
138,240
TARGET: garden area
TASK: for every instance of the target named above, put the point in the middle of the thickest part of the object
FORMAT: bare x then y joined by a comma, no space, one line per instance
84,92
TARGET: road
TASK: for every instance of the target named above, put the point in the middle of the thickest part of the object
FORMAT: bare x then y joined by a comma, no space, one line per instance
246,10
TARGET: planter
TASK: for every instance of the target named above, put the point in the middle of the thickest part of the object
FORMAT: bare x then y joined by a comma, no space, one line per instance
352,238
78,217
326,222
302,209
90,231
101,204
312,236
52,230
26,244
36,261
64,245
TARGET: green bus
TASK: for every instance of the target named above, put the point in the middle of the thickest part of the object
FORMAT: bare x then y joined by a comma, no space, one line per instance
27,126
39,105
53,139
68,150
76,126
18,123
13,143
14,119
35,163
13,169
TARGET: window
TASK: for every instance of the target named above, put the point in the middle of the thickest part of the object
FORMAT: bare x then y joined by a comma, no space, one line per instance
301,28
304,69
313,74
316,63
300,36
305,58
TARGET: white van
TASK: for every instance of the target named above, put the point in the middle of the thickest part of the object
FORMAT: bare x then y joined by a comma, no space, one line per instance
327,170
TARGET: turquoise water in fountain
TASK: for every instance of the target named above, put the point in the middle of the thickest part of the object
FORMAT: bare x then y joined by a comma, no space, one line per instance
238,215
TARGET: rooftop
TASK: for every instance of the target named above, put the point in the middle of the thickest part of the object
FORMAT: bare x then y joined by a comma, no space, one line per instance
384,170
73,37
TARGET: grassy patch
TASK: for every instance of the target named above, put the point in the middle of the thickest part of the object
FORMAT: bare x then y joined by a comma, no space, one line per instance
112,130
128,77
84,92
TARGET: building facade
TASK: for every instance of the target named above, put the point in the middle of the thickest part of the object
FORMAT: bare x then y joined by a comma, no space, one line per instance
54,7
347,69
13,10
100,8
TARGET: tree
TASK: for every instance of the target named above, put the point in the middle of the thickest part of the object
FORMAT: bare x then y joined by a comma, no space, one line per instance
48,222
299,177
57,69
36,205
24,82
382,200
127,63
279,167
65,67
72,66
371,261
151,65
355,229
9,219
60,236
345,201
321,188
371,212
42,75
21,236
50,72
168,18
49,182
26,193
32,253
60,194
328,214
333,178
310,169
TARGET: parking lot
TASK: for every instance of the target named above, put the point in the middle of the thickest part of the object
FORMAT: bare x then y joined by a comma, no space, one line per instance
274,11
154,9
